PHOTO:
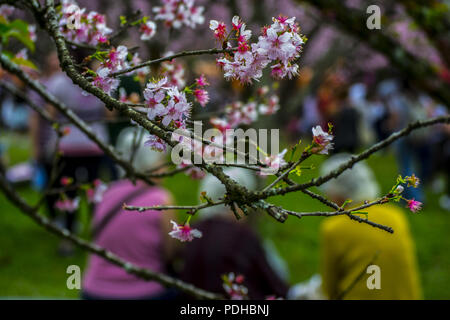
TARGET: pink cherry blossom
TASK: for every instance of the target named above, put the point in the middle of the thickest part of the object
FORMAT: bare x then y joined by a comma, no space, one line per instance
174,111
158,85
174,72
201,96
148,30
236,23
278,47
153,100
262,91
219,28
178,108
155,143
244,35
178,13
184,232
104,82
32,32
233,286
414,205
65,181
201,81
279,44
123,97
95,194
117,59
194,172
322,141
274,162
89,27
271,107
221,124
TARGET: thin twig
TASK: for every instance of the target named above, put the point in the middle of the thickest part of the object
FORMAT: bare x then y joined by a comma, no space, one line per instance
193,209
171,57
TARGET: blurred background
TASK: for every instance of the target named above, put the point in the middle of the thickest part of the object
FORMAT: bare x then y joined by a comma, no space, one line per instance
368,83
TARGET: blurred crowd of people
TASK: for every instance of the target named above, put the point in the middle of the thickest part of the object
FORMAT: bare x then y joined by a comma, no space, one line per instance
362,115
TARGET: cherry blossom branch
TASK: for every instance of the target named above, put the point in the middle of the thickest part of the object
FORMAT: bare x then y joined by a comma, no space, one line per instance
112,37
237,195
354,159
173,56
48,19
192,209
320,198
305,155
350,213
146,274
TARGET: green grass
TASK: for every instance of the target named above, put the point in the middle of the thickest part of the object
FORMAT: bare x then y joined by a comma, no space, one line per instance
30,266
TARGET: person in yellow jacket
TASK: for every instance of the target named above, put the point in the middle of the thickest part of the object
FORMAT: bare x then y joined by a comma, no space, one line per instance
349,247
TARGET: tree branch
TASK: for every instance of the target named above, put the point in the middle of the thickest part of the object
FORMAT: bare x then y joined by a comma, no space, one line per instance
363,155
171,57
146,274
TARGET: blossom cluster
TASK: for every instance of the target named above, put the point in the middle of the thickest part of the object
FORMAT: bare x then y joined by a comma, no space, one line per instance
147,30
279,45
174,71
184,232
81,26
165,101
176,107
95,193
179,13
410,181
114,60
